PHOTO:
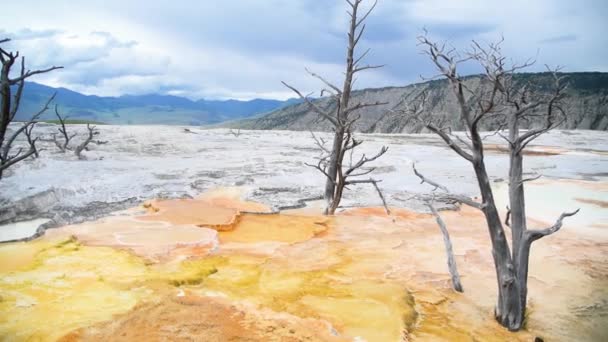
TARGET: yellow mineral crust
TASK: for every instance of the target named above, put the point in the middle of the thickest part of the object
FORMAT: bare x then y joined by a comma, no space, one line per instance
280,228
360,275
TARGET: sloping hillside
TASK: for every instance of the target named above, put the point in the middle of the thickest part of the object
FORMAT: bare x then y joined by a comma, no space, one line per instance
586,105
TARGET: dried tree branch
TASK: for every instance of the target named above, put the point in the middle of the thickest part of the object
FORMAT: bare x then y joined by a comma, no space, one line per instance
428,181
456,284
533,235
312,105
32,73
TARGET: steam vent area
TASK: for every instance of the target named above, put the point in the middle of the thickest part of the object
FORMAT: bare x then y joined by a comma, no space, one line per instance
175,236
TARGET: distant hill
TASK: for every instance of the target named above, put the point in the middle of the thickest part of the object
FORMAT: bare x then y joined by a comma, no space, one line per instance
586,106
140,109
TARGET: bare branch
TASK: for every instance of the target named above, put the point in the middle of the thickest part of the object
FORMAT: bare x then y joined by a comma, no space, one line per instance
530,179
367,13
312,105
461,199
366,67
361,105
321,169
320,143
375,184
329,84
362,56
17,158
428,181
32,73
447,196
364,160
450,142
533,235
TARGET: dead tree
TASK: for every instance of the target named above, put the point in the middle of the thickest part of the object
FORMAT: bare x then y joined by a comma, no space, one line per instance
500,97
338,174
63,145
83,146
9,105
236,133
32,141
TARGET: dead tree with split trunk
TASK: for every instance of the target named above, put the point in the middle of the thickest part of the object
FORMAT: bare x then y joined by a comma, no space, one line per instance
83,146
11,89
499,96
236,133
63,145
338,173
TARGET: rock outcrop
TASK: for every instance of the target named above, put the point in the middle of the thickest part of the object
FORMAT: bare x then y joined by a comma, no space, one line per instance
586,107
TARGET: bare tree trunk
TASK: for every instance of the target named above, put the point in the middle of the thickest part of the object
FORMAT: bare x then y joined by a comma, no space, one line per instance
508,309
456,284
5,95
517,208
332,170
333,195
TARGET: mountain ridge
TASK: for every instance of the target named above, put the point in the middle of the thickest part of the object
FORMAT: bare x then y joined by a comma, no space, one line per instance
140,109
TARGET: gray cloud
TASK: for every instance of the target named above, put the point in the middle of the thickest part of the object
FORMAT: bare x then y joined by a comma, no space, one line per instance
28,34
243,49
559,39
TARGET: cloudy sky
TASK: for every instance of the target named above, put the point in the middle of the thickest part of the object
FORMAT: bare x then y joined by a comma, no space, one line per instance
243,48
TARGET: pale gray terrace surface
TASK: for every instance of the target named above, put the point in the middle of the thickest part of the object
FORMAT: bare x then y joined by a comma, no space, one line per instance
145,162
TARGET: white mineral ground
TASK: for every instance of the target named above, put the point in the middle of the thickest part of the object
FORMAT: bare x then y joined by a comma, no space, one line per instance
206,269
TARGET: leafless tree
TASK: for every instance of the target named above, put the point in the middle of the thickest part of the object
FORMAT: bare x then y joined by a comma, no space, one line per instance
83,146
339,175
9,105
31,140
236,133
62,145
500,97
